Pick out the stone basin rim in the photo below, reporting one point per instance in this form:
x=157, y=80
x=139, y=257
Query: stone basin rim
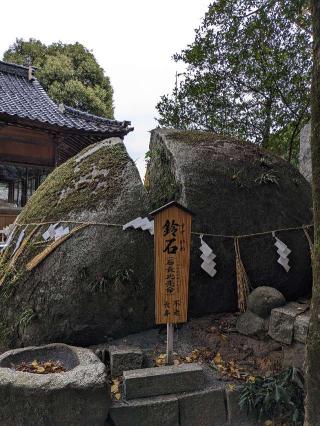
x=87, y=361
x=55, y=351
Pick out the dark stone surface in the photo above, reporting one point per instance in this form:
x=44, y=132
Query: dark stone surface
x=78, y=397
x=205, y=408
x=123, y=358
x=97, y=284
x=163, y=380
x=251, y=324
x=263, y=299
x=228, y=185
x=160, y=411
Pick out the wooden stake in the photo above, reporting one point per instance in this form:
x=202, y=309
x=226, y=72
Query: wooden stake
x=169, y=344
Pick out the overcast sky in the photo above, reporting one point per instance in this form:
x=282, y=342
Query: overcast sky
x=133, y=40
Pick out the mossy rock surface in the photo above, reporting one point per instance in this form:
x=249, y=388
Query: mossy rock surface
x=97, y=284
x=234, y=188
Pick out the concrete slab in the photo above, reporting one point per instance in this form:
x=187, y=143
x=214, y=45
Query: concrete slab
x=159, y=411
x=205, y=408
x=237, y=417
x=163, y=380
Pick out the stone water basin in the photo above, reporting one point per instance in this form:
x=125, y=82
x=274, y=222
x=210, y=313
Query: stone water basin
x=78, y=396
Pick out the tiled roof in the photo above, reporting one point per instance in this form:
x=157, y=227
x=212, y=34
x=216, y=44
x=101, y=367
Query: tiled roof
x=24, y=97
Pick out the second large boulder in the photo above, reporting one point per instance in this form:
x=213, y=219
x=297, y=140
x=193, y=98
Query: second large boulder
x=234, y=188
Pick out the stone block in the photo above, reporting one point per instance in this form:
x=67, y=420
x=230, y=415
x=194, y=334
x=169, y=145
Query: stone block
x=205, y=408
x=282, y=321
x=163, y=380
x=159, y=411
x=236, y=416
x=123, y=358
x=301, y=327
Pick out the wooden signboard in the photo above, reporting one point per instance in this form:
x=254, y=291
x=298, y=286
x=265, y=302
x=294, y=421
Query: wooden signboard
x=172, y=235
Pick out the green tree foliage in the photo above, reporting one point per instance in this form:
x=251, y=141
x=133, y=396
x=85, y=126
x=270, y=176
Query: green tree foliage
x=248, y=73
x=68, y=72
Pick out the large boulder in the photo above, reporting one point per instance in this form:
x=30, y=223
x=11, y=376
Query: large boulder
x=234, y=188
x=98, y=283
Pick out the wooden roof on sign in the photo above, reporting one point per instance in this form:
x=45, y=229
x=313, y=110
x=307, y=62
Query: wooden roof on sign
x=171, y=204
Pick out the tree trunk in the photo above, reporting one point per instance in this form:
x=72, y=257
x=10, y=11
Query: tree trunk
x=267, y=123
x=312, y=403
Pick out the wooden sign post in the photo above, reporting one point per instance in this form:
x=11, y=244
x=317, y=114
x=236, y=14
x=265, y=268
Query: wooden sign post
x=172, y=236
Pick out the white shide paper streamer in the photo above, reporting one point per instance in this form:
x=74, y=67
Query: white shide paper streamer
x=208, y=264
x=283, y=252
x=144, y=223
x=55, y=232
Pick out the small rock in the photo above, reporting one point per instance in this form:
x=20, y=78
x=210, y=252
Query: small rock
x=263, y=299
x=251, y=324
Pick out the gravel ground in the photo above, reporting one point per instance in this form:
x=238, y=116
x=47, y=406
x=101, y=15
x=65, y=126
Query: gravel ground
x=214, y=342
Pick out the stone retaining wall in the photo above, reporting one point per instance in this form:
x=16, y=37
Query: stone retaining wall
x=177, y=396
x=209, y=407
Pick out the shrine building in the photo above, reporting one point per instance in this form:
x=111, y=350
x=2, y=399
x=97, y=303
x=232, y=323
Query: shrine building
x=37, y=135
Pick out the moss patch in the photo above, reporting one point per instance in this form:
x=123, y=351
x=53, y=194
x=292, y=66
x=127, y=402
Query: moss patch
x=75, y=186
x=160, y=180
x=197, y=136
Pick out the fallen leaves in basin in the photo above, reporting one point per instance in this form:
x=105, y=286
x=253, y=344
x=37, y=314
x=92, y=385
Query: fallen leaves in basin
x=36, y=367
x=115, y=389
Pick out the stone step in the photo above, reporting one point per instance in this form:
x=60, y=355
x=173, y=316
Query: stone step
x=163, y=380
x=159, y=411
x=205, y=408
